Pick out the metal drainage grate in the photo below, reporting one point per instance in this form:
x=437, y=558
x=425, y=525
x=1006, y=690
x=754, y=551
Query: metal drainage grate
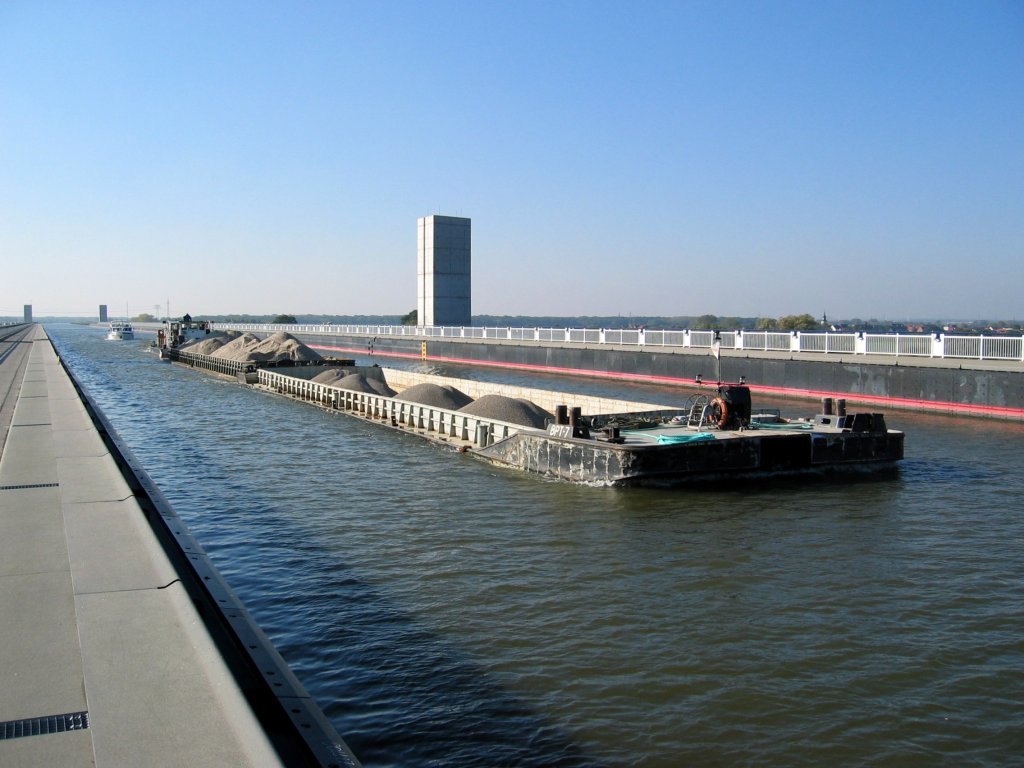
x=23, y=487
x=39, y=726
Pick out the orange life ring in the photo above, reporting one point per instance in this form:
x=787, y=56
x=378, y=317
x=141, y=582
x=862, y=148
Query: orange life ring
x=720, y=408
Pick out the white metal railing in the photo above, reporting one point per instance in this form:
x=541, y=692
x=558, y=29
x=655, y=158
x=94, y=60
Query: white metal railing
x=768, y=341
x=795, y=342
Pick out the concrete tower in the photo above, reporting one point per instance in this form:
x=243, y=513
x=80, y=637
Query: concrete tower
x=28, y=313
x=103, y=313
x=443, y=290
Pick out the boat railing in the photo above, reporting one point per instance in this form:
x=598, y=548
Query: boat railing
x=796, y=343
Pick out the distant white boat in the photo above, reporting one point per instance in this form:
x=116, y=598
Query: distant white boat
x=121, y=332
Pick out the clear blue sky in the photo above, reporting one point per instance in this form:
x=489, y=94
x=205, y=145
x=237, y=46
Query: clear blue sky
x=865, y=159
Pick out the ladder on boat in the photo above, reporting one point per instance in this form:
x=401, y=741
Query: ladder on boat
x=700, y=407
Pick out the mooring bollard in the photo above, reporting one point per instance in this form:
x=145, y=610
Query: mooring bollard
x=483, y=435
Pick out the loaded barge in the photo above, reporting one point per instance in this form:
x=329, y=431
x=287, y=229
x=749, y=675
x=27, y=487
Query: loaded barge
x=713, y=439
x=716, y=435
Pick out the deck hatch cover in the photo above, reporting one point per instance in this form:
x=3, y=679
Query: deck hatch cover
x=39, y=726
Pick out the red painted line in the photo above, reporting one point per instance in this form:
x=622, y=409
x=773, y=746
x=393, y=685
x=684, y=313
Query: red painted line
x=939, y=406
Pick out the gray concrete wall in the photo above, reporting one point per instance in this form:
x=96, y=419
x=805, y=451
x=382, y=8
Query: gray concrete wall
x=936, y=385
x=443, y=270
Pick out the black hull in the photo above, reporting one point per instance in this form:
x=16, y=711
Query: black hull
x=749, y=455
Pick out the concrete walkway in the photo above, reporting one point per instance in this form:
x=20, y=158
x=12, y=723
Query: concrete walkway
x=103, y=657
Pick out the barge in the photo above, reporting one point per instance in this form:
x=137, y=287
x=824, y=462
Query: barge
x=703, y=444
x=715, y=436
x=690, y=449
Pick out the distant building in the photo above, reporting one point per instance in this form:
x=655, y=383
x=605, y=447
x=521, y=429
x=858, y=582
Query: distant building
x=443, y=255
x=103, y=313
x=28, y=313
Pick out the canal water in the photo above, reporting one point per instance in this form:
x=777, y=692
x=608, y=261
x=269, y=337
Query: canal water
x=446, y=612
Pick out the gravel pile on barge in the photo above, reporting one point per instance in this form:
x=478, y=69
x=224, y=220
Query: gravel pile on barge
x=280, y=347
x=498, y=407
x=277, y=348
x=331, y=377
x=237, y=348
x=435, y=396
x=513, y=410
x=209, y=344
x=343, y=378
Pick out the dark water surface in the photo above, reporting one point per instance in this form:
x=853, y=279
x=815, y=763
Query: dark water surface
x=446, y=612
